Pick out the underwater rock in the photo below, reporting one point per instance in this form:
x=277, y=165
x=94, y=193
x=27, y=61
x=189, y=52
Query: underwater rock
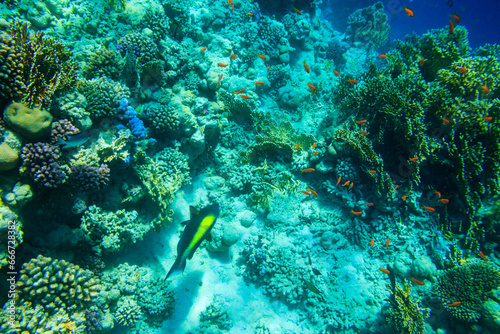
x=423, y=267
x=8, y=157
x=247, y=218
x=289, y=98
x=21, y=193
x=33, y=123
x=230, y=236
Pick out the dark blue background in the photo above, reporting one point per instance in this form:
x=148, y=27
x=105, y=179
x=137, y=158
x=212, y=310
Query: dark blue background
x=480, y=17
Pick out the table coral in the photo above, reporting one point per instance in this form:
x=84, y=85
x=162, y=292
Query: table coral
x=469, y=284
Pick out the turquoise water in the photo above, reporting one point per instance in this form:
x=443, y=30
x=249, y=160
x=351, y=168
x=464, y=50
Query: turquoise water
x=249, y=167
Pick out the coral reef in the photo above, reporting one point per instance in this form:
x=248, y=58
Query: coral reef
x=90, y=178
x=128, y=312
x=469, y=284
x=368, y=27
x=40, y=162
x=406, y=315
x=103, y=96
x=103, y=63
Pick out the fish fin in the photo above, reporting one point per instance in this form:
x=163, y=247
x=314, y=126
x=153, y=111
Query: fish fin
x=192, y=211
x=61, y=143
x=177, y=267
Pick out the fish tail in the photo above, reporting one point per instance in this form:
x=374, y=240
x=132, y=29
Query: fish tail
x=177, y=267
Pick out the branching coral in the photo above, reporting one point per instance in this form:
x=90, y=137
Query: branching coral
x=406, y=315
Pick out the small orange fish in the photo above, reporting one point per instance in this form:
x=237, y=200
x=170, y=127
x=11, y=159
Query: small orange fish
x=312, y=88
x=371, y=171
x=416, y=281
x=445, y=200
x=259, y=83
x=351, y=185
x=451, y=27
x=297, y=146
x=230, y=2
x=445, y=121
x=438, y=194
x=385, y=271
x=408, y=11
x=218, y=82
x=368, y=204
x=307, y=170
x=387, y=243
x=428, y=208
x=421, y=61
x=233, y=56
x=357, y=213
x=203, y=49
x=345, y=184
x=315, y=153
x=338, y=181
x=306, y=28
x=240, y=91
x=404, y=198
x=483, y=256
x=268, y=67
x=488, y=119
x=456, y=17
x=336, y=73
x=306, y=68
x=352, y=81
x=314, y=146
x=363, y=132
x=455, y=304
x=304, y=192
x=312, y=192
x=246, y=97
x=372, y=243
x=484, y=89
x=414, y=159
x=222, y=65
x=382, y=56
x=250, y=14
x=261, y=56
x=462, y=70
x=297, y=11
x=396, y=187
x=363, y=121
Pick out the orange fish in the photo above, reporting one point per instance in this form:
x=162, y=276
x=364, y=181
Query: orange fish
x=462, y=70
x=416, y=281
x=312, y=88
x=455, y=304
x=408, y=11
x=268, y=67
x=351, y=185
x=483, y=256
x=246, y=97
x=307, y=28
x=315, y=153
x=387, y=243
x=438, y=194
x=357, y=213
x=262, y=57
x=368, y=204
x=456, y=17
x=428, y=208
x=445, y=121
x=259, y=83
x=233, y=56
x=404, y=198
x=218, y=82
x=250, y=14
x=396, y=187
x=382, y=56
x=363, y=132
x=484, y=89
x=230, y=2
x=372, y=243
x=297, y=146
x=312, y=192
x=307, y=170
x=338, y=181
x=203, y=49
x=421, y=61
x=352, y=81
x=306, y=68
x=488, y=118
x=345, y=184
x=240, y=91
x=371, y=171
x=296, y=10
x=336, y=73
x=414, y=159
x=445, y=200
x=222, y=65
x=364, y=121
x=385, y=271
x=451, y=27
x=314, y=146
x=304, y=192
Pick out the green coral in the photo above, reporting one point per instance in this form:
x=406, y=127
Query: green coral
x=128, y=312
x=103, y=96
x=406, y=314
x=103, y=63
x=164, y=119
x=469, y=284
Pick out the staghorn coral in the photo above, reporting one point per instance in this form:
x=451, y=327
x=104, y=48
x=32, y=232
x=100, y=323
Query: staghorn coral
x=469, y=283
x=368, y=26
x=56, y=283
x=103, y=96
x=103, y=63
x=406, y=315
